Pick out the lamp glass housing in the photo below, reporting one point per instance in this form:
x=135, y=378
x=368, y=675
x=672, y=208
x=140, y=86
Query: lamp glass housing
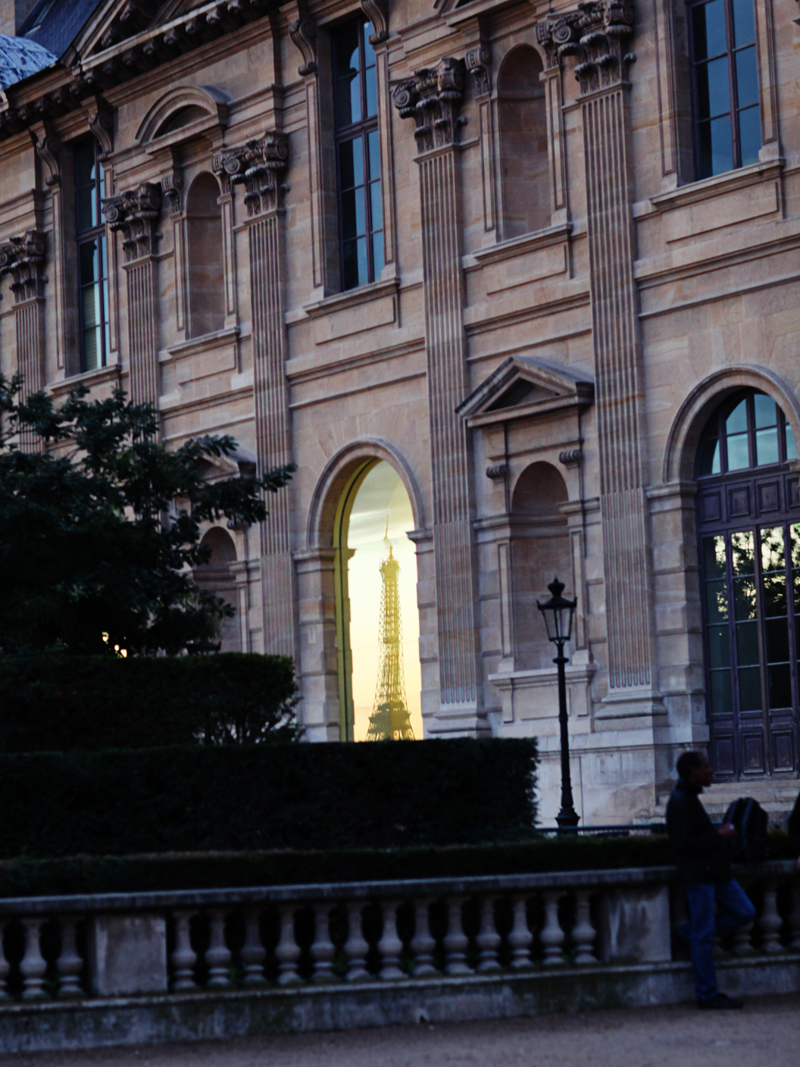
x=558, y=613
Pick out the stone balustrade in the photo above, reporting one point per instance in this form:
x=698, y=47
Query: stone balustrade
x=371, y=934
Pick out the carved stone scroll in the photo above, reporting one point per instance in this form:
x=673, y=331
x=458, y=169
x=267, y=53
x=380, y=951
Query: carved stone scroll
x=135, y=215
x=303, y=32
x=377, y=12
x=23, y=259
x=432, y=98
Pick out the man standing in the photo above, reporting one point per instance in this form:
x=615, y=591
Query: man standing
x=705, y=870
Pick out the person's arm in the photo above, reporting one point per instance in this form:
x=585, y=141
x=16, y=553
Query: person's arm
x=692, y=843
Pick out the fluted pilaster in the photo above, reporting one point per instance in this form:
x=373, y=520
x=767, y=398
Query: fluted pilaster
x=23, y=259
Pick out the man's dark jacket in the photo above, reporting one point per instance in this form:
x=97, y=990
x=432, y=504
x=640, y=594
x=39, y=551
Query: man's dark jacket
x=700, y=853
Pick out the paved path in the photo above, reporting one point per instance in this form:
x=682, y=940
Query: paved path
x=765, y=1034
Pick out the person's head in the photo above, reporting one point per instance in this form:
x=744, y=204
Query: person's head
x=694, y=768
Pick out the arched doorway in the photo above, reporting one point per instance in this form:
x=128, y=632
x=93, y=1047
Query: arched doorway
x=748, y=517
x=217, y=577
x=376, y=608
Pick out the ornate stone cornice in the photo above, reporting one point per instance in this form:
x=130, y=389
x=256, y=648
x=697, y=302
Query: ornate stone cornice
x=597, y=35
x=23, y=258
x=135, y=214
x=433, y=99
x=258, y=165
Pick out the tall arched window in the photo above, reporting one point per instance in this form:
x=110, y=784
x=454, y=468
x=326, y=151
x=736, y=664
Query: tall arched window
x=525, y=181
x=748, y=511
x=206, y=281
x=539, y=551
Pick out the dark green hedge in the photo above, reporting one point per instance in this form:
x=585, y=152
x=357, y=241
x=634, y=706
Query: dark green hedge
x=130, y=874
x=56, y=702
x=264, y=797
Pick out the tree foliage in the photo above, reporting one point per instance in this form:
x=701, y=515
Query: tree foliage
x=100, y=525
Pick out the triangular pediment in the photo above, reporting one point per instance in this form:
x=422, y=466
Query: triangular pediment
x=525, y=386
x=120, y=20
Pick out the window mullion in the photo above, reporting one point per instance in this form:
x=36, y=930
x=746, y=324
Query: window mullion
x=732, y=83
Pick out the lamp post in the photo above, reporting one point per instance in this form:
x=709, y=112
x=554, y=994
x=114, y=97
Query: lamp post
x=558, y=615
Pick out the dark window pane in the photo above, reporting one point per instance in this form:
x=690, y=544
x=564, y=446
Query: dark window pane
x=84, y=209
x=750, y=689
x=89, y=265
x=349, y=227
x=371, y=91
x=767, y=446
x=746, y=78
x=738, y=452
x=791, y=447
x=772, y=549
x=351, y=163
x=747, y=643
x=744, y=598
x=716, y=146
x=714, y=557
x=716, y=601
x=363, y=262
x=375, y=206
x=90, y=306
x=779, y=680
x=719, y=647
x=742, y=552
x=749, y=135
x=377, y=253
x=777, y=640
x=84, y=165
x=721, y=703
x=766, y=411
x=708, y=24
x=91, y=349
x=350, y=265
x=709, y=459
x=713, y=87
x=348, y=88
x=736, y=422
x=774, y=595
x=744, y=27
x=374, y=149
x=369, y=53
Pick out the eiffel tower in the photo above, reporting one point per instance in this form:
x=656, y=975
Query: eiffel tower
x=390, y=720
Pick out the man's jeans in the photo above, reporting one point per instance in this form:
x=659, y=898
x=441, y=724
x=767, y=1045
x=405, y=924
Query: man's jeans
x=734, y=909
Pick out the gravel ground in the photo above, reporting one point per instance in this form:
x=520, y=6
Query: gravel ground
x=765, y=1034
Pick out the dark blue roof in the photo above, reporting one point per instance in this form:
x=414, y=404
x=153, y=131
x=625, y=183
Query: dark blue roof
x=20, y=58
x=56, y=23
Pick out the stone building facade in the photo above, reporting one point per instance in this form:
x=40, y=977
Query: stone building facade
x=539, y=259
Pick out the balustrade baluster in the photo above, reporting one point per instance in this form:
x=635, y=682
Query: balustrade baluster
x=552, y=936
x=769, y=921
x=520, y=938
x=4, y=966
x=423, y=944
x=743, y=941
x=218, y=955
x=322, y=947
x=488, y=939
x=183, y=956
x=287, y=951
x=253, y=952
x=70, y=963
x=33, y=965
x=390, y=946
x=356, y=946
x=583, y=933
x=456, y=941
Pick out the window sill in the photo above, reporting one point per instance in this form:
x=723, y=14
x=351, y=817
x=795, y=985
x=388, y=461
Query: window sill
x=710, y=188
x=517, y=246
x=89, y=378
x=351, y=298
x=195, y=345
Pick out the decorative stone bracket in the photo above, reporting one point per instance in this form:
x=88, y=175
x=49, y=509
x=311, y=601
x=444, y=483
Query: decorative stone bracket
x=23, y=258
x=377, y=11
x=597, y=35
x=257, y=165
x=433, y=99
x=135, y=213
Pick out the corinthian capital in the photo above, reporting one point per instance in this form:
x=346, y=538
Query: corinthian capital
x=433, y=99
x=258, y=165
x=135, y=214
x=597, y=35
x=23, y=258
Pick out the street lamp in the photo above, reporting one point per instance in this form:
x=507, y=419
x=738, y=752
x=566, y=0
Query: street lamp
x=558, y=614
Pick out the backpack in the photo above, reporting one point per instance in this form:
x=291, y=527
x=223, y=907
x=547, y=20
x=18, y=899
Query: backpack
x=750, y=844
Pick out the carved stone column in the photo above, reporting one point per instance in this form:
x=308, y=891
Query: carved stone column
x=597, y=36
x=433, y=99
x=135, y=214
x=259, y=166
x=23, y=259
